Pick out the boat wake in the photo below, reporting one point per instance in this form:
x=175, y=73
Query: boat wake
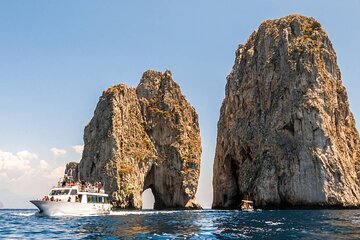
x=61, y=214
x=23, y=214
x=112, y=213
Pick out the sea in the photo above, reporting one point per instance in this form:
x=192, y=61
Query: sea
x=199, y=224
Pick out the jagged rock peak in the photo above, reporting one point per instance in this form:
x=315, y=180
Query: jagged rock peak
x=115, y=88
x=144, y=137
x=154, y=81
x=286, y=135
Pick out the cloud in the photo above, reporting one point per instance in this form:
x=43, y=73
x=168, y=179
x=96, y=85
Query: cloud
x=78, y=148
x=15, y=165
x=19, y=161
x=58, y=152
x=27, y=155
x=57, y=172
x=44, y=164
x=23, y=175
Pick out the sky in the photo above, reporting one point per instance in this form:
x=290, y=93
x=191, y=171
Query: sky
x=56, y=58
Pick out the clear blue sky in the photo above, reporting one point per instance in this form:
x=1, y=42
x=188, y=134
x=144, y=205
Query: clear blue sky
x=56, y=58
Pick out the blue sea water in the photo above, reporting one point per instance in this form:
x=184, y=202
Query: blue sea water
x=204, y=224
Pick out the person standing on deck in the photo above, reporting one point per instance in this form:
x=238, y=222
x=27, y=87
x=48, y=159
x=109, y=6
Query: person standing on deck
x=99, y=186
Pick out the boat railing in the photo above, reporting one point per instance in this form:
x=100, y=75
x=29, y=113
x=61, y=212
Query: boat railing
x=82, y=185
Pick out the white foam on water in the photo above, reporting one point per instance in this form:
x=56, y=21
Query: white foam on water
x=355, y=220
x=124, y=213
x=113, y=213
x=23, y=214
x=60, y=214
x=273, y=223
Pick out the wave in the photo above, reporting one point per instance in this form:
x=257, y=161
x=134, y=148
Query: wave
x=114, y=213
x=355, y=219
x=122, y=213
x=17, y=213
x=22, y=214
x=60, y=214
x=273, y=223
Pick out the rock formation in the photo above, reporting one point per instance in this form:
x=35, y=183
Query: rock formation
x=143, y=138
x=286, y=136
x=71, y=170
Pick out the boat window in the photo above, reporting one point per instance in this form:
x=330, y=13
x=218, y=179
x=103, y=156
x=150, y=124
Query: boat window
x=55, y=192
x=64, y=192
x=101, y=199
x=91, y=199
x=59, y=192
x=73, y=192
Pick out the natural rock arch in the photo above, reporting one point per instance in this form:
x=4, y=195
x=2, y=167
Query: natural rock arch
x=143, y=138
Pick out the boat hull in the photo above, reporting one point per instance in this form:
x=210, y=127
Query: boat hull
x=50, y=208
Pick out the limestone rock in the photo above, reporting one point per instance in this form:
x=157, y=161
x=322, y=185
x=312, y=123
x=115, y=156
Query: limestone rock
x=286, y=136
x=71, y=170
x=143, y=138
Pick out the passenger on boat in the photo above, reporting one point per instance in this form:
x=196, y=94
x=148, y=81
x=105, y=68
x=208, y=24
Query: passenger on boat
x=99, y=186
x=89, y=188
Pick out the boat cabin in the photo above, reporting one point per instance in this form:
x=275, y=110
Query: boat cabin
x=73, y=194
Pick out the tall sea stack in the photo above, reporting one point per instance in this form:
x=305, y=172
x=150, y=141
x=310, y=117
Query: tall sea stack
x=286, y=136
x=144, y=137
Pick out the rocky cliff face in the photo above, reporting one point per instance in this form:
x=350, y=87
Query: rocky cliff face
x=143, y=138
x=286, y=136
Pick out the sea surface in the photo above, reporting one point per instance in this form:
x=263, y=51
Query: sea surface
x=204, y=224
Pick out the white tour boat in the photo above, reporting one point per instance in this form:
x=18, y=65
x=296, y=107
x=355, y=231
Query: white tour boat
x=74, y=199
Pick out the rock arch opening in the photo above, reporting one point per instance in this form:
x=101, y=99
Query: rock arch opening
x=150, y=187
x=234, y=196
x=148, y=199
